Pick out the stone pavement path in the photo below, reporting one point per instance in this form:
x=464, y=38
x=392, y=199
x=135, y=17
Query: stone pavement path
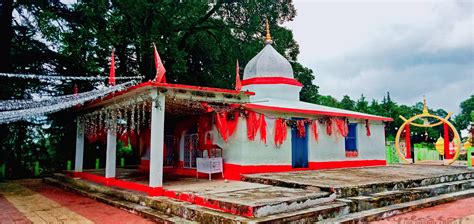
x=457, y=212
x=31, y=201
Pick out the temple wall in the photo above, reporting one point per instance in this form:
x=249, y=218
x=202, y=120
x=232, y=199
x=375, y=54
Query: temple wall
x=332, y=148
x=240, y=151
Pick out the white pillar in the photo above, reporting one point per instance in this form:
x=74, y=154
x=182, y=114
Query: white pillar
x=157, y=133
x=79, y=146
x=111, y=150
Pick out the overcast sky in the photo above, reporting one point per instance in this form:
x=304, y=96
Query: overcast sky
x=408, y=48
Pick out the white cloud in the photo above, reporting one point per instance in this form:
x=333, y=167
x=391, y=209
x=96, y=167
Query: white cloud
x=410, y=49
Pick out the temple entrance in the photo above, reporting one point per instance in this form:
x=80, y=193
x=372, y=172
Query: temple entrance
x=299, y=146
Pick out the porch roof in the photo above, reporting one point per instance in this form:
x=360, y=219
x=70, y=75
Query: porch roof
x=142, y=87
x=298, y=107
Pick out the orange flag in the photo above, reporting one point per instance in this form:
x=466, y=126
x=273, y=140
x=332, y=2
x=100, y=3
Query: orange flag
x=160, y=69
x=238, y=83
x=112, y=70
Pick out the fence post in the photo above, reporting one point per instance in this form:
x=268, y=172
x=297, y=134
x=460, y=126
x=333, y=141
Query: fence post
x=469, y=157
x=97, y=163
x=68, y=166
x=37, y=168
x=122, y=162
x=2, y=170
x=387, y=150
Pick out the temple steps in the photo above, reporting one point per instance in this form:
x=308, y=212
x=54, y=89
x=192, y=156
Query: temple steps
x=396, y=209
x=387, y=198
x=363, y=205
x=164, y=209
x=364, y=189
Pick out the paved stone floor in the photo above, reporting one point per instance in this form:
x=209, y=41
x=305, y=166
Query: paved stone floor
x=457, y=212
x=361, y=176
x=31, y=201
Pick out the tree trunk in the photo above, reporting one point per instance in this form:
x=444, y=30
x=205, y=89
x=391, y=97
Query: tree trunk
x=6, y=9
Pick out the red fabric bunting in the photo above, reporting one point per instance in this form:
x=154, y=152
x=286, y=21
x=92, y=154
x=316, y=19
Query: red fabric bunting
x=314, y=126
x=263, y=129
x=280, y=132
x=367, y=127
x=232, y=123
x=342, y=127
x=252, y=125
x=221, y=122
x=329, y=127
x=301, y=129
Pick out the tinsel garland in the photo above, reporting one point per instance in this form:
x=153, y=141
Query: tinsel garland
x=54, y=106
x=11, y=105
x=55, y=77
x=129, y=115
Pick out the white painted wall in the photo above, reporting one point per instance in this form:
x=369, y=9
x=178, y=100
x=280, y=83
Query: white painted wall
x=239, y=150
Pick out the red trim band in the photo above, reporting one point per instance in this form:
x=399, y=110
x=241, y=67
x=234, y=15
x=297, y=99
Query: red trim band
x=233, y=171
x=316, y=112
x=271, y=80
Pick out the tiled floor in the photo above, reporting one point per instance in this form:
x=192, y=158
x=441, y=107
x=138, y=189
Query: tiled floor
x=30, y=201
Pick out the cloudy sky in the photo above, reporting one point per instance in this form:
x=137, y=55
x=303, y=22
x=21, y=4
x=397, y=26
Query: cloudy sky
x=408, y=48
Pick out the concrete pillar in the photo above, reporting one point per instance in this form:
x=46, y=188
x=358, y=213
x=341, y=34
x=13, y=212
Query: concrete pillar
x=110, y=162
x=157, y=140
x=79, y=146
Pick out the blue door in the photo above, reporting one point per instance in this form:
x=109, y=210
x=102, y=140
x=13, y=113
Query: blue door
x=351, y=139
x=299, y=148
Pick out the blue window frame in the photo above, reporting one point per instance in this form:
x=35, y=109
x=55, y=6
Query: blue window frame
x=351, y=139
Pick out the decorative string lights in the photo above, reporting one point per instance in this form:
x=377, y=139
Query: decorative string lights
x=24, y=109
x=55, y=77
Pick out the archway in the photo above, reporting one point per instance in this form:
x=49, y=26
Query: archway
x=426, y=114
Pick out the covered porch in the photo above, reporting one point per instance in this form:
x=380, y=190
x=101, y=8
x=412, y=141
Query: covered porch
x=168, y=127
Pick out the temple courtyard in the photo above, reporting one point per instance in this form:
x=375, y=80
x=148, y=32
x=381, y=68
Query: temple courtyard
x=386, y=194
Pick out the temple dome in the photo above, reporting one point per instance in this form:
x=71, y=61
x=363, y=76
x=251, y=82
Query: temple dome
x=268, y=63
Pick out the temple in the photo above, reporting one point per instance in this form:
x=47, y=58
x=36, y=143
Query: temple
x=179, y=130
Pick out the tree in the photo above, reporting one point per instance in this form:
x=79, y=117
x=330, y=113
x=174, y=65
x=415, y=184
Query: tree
x=198, y=41
x=347, y=103
x=362, y=105
x=463, y=120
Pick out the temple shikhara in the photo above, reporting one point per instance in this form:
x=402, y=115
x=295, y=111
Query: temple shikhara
x=211, y=133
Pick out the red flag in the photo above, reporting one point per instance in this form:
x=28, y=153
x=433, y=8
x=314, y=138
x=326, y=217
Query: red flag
x=76, y=89
x=238, y=83
x=112, y=70
x=160, y=69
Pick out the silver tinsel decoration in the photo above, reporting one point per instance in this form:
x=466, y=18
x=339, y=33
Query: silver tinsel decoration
x=53, y=105
x=54, y=77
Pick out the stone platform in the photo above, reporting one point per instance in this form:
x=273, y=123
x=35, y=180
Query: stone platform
x=363, y=194
x=349, y=182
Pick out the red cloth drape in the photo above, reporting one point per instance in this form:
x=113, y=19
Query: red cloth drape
x=342, y=127
x=252, y=125
x=221, y=123
x=280, y=132
x=232, y=123
x=301, y=129
x=314, y=126
x=367, y=127
x=329, y=127
x=263, y=129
